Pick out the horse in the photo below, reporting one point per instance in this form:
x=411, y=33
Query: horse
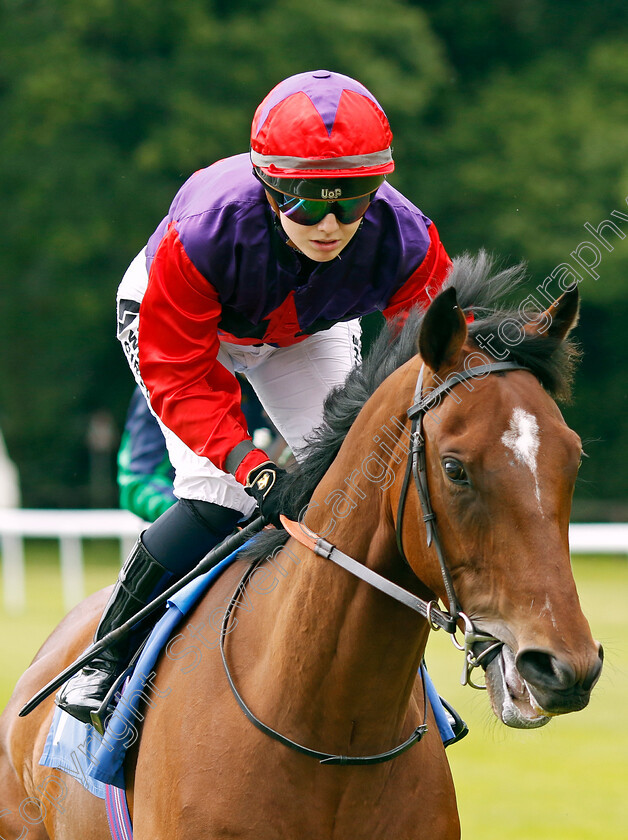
x=463, y=506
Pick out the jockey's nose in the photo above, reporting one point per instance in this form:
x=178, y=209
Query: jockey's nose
x=328, y=224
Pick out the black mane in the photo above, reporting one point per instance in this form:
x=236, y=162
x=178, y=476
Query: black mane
x=478, y=290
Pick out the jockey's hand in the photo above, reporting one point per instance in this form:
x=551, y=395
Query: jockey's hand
x=264, y=484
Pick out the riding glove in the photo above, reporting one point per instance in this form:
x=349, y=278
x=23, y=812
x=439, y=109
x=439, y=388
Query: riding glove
x=264, y=484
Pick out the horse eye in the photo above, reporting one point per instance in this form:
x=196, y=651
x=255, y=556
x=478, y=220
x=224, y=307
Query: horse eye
x=455, y=471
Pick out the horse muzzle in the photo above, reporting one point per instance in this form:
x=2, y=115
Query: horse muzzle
x=528, y=689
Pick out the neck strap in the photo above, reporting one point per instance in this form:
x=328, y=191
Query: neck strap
x=323, y=757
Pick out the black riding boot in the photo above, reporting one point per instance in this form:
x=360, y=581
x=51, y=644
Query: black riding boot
x=180, y=538
x=142, y=578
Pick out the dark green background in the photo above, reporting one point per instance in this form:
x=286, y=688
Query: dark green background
x=511, y=132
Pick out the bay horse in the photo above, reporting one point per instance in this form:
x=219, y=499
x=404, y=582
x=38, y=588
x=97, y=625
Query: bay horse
x=322, y=657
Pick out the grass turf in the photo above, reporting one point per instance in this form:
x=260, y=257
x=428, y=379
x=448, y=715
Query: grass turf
x=565, y=781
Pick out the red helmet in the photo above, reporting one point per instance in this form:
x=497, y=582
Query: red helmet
x=321, y=125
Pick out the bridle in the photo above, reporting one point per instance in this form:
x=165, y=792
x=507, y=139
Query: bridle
x=436, y=617
x=417, y=468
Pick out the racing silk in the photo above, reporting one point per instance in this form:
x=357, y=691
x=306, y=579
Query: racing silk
x=220, y=269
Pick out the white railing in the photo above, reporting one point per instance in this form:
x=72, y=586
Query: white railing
x=602, y=538
x=70, y=527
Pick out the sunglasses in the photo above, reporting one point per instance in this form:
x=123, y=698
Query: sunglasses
x=309, y=211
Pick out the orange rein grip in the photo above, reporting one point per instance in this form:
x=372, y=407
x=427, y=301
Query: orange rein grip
x=300, y=532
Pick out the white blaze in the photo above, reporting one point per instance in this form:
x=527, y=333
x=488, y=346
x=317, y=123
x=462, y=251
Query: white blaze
x=522, y=438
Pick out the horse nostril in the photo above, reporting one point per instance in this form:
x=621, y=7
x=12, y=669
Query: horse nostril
x=593, y=674
x=540, y=668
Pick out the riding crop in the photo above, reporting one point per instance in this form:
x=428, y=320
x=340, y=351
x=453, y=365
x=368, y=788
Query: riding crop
x=217, y=554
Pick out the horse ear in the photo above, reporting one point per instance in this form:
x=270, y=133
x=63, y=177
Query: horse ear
x=559, y=318
x=443, y=331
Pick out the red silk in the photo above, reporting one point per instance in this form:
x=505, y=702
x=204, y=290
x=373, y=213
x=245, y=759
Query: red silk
x=195, y=396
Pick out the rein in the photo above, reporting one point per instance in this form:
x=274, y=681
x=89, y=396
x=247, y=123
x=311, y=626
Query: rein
x=437, y=619
x=428, y=609
x=323, y=757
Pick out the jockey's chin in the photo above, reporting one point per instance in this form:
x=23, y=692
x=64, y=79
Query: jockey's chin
x=322, y=242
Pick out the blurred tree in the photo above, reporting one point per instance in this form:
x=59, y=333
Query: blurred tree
x=510, y=126
x=520, y=166
x=599, y=411
x=533, y=156
x=107, y=107
x=482, y=37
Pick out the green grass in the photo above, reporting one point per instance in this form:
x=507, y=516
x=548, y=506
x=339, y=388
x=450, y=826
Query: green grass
x=565, y=781
x=22, y=635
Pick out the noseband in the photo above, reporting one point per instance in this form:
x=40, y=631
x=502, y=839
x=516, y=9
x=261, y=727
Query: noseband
x=438, y=619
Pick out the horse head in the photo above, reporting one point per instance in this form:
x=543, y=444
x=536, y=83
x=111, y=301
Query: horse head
x=501, y=465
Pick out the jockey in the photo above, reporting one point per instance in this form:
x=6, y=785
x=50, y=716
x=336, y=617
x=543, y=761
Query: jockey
x=263, y=266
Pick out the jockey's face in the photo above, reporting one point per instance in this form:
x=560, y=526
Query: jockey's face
x=323, y=241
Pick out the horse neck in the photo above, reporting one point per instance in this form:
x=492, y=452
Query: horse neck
x=340, y=644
